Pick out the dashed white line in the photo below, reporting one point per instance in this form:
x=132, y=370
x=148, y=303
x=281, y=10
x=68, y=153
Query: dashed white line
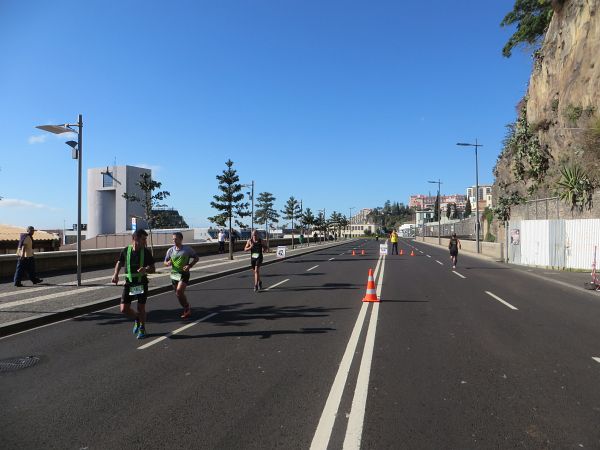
x=313, y=267
x=500, y=300
x=429, y=256
x=439, y=262
x=458, y=274
x=178, y=330
x=277, y=284
x=595, y=358
x=331, y=259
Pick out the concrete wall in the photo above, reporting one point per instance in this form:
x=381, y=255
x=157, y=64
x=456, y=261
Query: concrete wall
x=492, y=249
x=105, y=258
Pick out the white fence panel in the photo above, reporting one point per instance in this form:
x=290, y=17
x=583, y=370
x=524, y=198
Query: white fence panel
x=581, y=236
x=535, y=242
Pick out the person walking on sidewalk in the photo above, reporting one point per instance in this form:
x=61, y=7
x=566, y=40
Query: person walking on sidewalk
x=453, y=246
x=138, y=262
x=256, y=246
x=221, y=239
x=25, y=261
x=181, y=258
x=394, y=240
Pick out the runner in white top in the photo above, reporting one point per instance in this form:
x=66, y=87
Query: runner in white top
x=181, y=258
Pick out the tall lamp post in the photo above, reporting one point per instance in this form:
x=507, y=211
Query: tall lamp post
x=324, y=225
x=477, y=226
x=439, y=208
x=77, y=154
x=351, y=208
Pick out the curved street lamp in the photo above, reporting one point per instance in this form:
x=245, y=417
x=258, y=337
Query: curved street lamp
x=477, y=226
x=76, y=154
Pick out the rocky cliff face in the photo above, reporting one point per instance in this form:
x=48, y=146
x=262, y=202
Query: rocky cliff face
x=560, y=112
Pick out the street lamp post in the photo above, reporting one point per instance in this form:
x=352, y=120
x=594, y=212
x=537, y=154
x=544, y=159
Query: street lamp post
x=252, y=200
x=77, y=154
x=324, y=226
x=351, y=208
x=477, y=226
x=439, y=209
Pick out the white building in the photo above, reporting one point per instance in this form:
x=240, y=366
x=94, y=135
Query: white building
x=108, y=211
x=484, y=197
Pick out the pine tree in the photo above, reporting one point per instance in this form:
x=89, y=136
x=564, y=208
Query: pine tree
x=150, y=201
x=291, y=211
x=229, y=201
x=468, y=208
x=308, y=220
x=265, y=214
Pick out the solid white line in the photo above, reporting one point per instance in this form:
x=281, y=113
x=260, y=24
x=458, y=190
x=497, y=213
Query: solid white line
x=50, y=296
x=439, y=262
x=313, y=267
x=500, y=300
x=458, y=274
x=331, y=259
x=178, y=330
x=596, y=359
x=323, y=433
x=277, y=284
x=359, y=402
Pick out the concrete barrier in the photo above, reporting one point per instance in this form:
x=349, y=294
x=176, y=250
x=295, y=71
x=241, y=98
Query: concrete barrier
x=492, y=249
x=66, y=261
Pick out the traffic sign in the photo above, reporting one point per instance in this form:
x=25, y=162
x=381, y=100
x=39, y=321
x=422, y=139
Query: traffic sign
x=281, y=252
x=383, y=249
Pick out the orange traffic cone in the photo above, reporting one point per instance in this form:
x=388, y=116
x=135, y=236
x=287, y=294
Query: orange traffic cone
x=412, y=253
x=401, y=252
x=371, y=295
x=353, y=252
x=362, y=252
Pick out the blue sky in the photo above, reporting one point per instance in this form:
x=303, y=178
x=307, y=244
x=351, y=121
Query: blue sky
x=338, y=103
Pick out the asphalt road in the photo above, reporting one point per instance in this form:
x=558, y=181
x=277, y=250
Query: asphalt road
x=481, y=357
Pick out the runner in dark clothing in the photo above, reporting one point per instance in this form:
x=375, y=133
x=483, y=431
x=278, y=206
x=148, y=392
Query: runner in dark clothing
x=453, y=246
x=256, y=246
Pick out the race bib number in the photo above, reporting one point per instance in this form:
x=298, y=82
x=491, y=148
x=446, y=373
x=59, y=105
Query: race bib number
x=383, y=249
x=136, y=290
x=255, y=255
x=281, y=252
x=175, y=276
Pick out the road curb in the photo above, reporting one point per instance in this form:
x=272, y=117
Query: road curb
x=29, y=323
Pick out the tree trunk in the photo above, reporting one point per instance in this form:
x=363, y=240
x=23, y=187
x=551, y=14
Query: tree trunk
x=230, y=240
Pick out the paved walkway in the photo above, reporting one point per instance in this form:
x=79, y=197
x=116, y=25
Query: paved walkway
x=59, y=297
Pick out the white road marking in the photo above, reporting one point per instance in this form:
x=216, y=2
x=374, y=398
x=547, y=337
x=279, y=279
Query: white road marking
x=330, y=411
x=331, y=259
x=359, y=402
x=458, y=274
x=277, y=284
x=595, y=358
x=178, y=330
x=50, y=296
x=500, y=300
x=429, y=256
x=313, y=267
x=323, y=433
x=439, y=262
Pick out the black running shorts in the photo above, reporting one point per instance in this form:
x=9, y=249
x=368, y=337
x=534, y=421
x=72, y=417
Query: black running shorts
x=141, y=298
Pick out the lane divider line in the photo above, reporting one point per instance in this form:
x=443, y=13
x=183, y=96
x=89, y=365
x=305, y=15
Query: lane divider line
x=458, y=274
x=331, y=259
x=429, y=256
x=500, y=300
x=313, y=267
x=439, y=262
x=323, y=433
x=595, y=358
x=178, y=330
x=277, y=284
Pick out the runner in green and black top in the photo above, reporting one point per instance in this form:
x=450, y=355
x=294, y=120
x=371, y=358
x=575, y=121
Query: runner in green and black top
x=181, y=258
x=256, y=246
x=138, y=262
x=453, y=246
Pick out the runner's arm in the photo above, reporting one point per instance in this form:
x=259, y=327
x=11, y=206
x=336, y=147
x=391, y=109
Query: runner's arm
x=115, y=278
x=191, y=264
x=248, y=245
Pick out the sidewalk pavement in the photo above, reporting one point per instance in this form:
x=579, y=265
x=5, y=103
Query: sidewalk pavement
x=566, y=278
x=58, y=297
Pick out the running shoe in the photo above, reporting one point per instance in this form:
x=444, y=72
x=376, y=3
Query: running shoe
x=141, y=332
x=136, y=327
x=187, y=312
x=256, y=288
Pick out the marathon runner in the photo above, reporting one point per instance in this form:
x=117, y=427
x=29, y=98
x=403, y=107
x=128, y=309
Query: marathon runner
x=138, y=262
x=256, y=246
x=181, y=258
